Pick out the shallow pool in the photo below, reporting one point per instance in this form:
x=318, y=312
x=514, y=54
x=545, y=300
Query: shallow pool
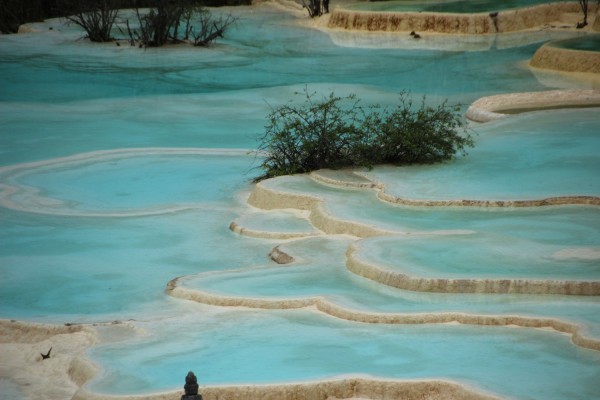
x=121, y=169
x=585, y=43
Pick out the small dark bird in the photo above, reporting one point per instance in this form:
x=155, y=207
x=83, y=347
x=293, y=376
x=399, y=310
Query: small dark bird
x=417, y=36
x=47, y=355
x=412, y=33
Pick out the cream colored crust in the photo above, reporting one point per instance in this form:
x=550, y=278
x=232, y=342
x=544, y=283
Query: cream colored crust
x=487, y=108
x=454, y=23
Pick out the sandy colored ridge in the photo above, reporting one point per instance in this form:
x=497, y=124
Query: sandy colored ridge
x=58, y=377
x=324, y=176
x=490, y=108
x=267, y=197
x=177, y=289
x=521, y=19
x=380, y=274
x=569, y=60
x=19, y=197
x=241, y=230
x=348, y=387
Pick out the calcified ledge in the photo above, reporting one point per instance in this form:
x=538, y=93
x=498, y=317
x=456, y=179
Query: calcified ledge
x=175, y=289
x=399, y=280
x=383, y=195
x=341, y=388
x=269, y=198
x=454, y=23
x=56, y=378
x=490, y=108
x=240, y=230
x=566, y=60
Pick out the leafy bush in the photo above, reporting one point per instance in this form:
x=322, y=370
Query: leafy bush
x=338, y=132
x=422, y=135
x=13, y=13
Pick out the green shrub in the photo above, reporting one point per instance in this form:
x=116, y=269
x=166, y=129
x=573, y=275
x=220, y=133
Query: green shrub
x=423, y=135
x=338, y=132
x=13, y=13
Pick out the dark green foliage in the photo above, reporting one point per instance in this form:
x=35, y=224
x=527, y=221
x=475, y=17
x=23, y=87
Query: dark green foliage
x=338, y=132
x=14, y=13
x=422, y=135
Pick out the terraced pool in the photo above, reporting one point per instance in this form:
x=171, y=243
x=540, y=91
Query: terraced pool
x=127, y=206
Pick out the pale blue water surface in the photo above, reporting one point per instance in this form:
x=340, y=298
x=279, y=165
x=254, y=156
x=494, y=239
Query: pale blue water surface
x=96, y=235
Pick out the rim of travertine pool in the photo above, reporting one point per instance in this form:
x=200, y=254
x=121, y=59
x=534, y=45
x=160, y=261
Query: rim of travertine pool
x=490, y=108
x=176, y=288
x=519, y=19
x=555, y=58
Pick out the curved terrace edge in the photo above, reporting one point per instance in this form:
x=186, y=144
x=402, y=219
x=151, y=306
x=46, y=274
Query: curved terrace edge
x=403, y=281
x=175, y=289
x=453, y=23
x=490, y=108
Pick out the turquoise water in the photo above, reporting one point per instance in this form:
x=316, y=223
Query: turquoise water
x=535, y=159
x=79, y=269
x=320, y=270
x=568, y=225
x=480, y=256
x=447, y=6
x=280, y=348
x=585, y=43
x=94, y=237
x=137, y=182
